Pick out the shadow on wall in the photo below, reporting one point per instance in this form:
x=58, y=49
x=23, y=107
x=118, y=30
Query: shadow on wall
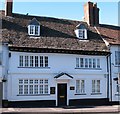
x=1, y=94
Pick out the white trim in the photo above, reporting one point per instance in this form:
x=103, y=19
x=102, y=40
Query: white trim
x=34, y=30
x=60, y=82
x=77, y=32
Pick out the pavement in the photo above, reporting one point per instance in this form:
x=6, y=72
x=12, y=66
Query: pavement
x=114, y=109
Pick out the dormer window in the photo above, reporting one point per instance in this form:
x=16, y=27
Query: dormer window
x=34, y=28
x=82, y=34
x=81, y=31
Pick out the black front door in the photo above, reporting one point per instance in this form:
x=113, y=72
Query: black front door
x=62, y=94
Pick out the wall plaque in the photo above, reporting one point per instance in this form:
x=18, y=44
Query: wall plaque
x=52, y=90
x=72, y=88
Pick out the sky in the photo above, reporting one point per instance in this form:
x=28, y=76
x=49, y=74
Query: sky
x=67, y=10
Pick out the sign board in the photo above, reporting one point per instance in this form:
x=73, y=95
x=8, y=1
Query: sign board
x=72, y=88
x=52, y=90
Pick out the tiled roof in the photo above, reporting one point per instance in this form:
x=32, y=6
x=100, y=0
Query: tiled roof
x=55, y=34
x=110, y=33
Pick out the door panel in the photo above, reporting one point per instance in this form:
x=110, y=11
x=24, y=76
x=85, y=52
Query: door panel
x=62, y=94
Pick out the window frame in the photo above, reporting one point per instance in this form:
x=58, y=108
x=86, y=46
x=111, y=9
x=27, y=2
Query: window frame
x=96, y=88
x=33, y=61
x=80, y=87
x=88, y=63
x=117, y=58
x=82, y=33
x=34, y=30
x=24, y=88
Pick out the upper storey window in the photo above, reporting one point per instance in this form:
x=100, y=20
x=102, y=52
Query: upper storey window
x=117, y=58
x=0, y=58
x=34, y=28
x=81, y=31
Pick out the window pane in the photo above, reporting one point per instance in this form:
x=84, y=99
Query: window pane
x=77, y=62
x=41, y=81
x=77, y=86
x=81, y=33
x=41, y=61
x=31, y=81
x=117, y=57
x=36, y=89
x=90, y=63
x=20, y=81
x=98, y=63
x=20, y=89
x=82, y=86
x=81, y=62
x=36, y=61
x=46, y=61
x=31, y=89
x=117, y=88
x=0, y=58
x=25, y=81
x=36, y=30
x=41, y=89
x=36, y=81
x=98, y=86
x=25, y=89
x=26, y=61
x=46, y=81
x=21, y=61
x=93, y=86
x=46, y=89
x=86, y=63
x=31, y=61
x=94, y=63
x=31, y=29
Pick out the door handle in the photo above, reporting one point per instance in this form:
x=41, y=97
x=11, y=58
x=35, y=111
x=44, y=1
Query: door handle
x=62, y=96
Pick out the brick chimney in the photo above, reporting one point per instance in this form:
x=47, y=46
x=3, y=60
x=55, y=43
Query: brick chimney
x=8, y=7
x=91, y=14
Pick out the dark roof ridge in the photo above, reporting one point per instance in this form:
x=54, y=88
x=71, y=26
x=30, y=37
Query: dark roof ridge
x=115, y=27
x=37, y=17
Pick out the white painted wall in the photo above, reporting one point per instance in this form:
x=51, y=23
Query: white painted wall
x=115, y=71
x=58, y=63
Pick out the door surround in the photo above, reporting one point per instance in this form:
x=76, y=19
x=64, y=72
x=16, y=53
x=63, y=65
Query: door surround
x=62, y=82
x=62, y=94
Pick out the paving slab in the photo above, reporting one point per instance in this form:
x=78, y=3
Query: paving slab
x=115, y=109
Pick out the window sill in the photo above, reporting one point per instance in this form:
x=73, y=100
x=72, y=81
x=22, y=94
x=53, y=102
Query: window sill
x=81, y=94
x=116, y=65
x=96, y=93
x=36, y=67
x=90, y=68
x=117, y=94
x=35, y=95
x=83, y=39
x=34, y=35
